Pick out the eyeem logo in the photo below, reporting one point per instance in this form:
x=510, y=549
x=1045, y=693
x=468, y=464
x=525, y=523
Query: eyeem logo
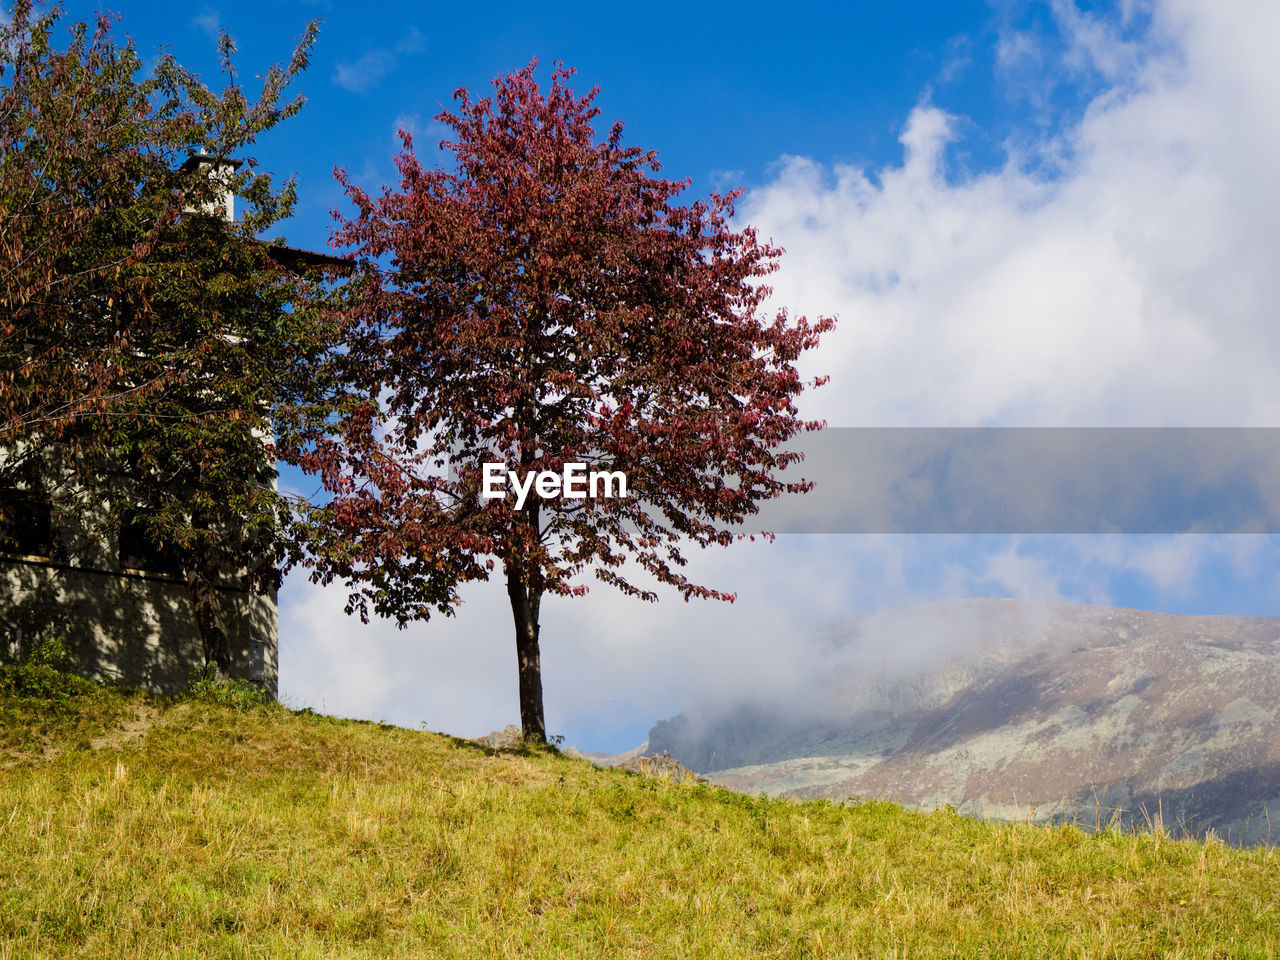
x=573, y=484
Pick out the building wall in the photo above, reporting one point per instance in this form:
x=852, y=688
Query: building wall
x=129, y=627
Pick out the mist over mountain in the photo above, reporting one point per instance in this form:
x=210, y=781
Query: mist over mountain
x=1010, y=709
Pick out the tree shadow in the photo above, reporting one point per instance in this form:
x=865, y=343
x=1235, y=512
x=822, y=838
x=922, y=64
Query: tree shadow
x=126, y=627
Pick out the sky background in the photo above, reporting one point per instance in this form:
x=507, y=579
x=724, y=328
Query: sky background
x=1024, y=214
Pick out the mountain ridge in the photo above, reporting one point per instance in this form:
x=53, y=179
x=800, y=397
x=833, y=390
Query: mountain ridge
x=1046, y=712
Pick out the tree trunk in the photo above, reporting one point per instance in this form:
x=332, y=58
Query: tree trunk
x=524, y=611
x=213, y=629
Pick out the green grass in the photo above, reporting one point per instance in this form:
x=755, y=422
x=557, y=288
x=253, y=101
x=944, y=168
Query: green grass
x=237, y=829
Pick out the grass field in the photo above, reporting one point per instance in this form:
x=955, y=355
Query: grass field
x=141, y=829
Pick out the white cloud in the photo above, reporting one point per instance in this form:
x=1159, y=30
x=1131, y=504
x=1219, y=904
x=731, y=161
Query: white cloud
x=1018, y=574
x=959, y=59
x=209, y=21
x=363, y=73
x=1135, y=288
x=1171, y=565
x=1095, y=44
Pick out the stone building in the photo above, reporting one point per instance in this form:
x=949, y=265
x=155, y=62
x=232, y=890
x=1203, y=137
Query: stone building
x=119, y=607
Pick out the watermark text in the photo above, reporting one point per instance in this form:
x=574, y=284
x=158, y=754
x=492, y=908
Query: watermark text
x=574, y=483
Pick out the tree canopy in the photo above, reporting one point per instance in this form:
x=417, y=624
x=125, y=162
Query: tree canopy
x=545, y=300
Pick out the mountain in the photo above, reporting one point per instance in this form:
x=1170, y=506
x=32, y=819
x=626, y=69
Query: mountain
x=1008, y=710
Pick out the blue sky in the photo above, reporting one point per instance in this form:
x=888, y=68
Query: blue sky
x=1025, y=213
x=720, y=91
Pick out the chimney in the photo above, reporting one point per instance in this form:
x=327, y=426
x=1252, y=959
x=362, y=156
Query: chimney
x=219, y=170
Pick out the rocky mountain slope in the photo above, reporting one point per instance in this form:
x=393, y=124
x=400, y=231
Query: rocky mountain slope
x=1011, y=711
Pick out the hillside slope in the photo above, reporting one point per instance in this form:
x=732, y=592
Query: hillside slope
x=140, y=829
x=1066, y=712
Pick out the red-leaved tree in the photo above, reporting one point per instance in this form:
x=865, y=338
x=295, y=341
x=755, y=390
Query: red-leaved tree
x=546, y=301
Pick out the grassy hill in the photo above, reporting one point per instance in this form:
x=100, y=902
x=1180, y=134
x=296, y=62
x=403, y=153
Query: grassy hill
x=199, y=828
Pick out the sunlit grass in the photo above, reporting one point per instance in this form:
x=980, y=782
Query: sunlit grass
x=257, y=832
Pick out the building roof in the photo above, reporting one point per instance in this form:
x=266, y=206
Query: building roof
x=196, y=159
x=296, y=258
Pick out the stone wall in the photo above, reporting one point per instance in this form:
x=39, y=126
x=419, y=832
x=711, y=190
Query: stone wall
x=128, y=627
